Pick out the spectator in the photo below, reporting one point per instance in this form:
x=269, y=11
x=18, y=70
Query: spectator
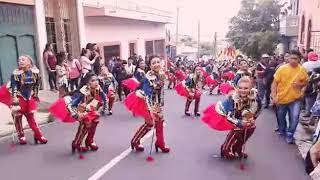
x=50, y=61
x=310, y=93
x=62, y=70
x=268, y=78
x=75, y=72
x=111, y=63
x=260, y=72
x=289, y=80
x=120, y=74
x=129, y=67
x=312, y=62
x=85, y=61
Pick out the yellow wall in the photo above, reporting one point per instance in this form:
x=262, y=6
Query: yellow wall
x=27, y=2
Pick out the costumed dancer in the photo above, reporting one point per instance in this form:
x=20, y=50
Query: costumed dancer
x=226, y=86
x=108, y=84
x=147, y=102
x=85, y=106
x=172, y=78
x=191, y=89
x=138, y=76
x=212, y=81
x=238, y=114
x=24, y=87
x=243, y=71
x=180, y=74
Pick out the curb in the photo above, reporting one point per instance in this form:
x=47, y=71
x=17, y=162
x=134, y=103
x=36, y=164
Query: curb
x=41, y=119
x=303, y=140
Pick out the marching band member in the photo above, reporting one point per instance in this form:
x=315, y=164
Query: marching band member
x=147, y=101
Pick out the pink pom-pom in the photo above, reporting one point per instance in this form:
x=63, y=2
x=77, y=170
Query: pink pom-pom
x=150, y=158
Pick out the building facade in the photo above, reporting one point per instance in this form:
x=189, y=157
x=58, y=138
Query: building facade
x=289, y=27
x=124, y=29
x=309, y=26
x=27, y=25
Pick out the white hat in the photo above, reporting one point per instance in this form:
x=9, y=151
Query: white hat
x=265, y=56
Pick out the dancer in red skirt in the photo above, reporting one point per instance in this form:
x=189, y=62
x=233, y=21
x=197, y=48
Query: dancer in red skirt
x=238, y=114
x=85, y=106
x=24, y=85
x=147, y=102
x=212, y=81
x=108, y=84
x=172, y=78
x=191, y=89
x=226, y=86
x=138, y=76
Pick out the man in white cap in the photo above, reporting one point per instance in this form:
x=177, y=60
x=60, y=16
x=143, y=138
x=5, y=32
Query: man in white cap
x=260, y=74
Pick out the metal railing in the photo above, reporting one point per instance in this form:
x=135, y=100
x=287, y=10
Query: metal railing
x=127, y=5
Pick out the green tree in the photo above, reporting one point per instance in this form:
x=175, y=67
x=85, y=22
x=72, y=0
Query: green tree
x=255, y=30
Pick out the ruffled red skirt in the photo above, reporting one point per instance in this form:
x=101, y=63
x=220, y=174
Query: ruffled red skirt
x=211, y=82
x=5, y=96
x=229, y=75
x=59, y=110
x=111, y=93
x=131, y=83
x=226, y=88
x=204, y=73
x=27, y=105
x=215, y=120
x=172, y=77
x=137, y=105
x=182, y=91
x=181, y=75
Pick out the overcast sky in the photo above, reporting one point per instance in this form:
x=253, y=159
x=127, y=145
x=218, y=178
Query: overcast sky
x=214, y=15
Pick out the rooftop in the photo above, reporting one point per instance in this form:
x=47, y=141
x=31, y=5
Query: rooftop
x=125, y=9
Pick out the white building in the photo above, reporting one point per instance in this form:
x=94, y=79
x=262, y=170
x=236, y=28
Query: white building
x=122, y=28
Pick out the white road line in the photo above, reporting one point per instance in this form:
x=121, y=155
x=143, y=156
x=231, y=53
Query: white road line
x=116, y=160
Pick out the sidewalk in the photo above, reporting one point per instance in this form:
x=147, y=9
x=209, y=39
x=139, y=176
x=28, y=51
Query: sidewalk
x=6, y=123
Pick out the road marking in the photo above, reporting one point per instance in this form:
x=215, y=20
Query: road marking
x=116, y=160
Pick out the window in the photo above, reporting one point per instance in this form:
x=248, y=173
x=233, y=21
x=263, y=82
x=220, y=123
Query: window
x=132, y=49
x=51, y=33
x=309, y=33
x=315, y=41
x=156, y=47
x=111, y=51
x=302, y=32
x=159, y=48
x=149, y=48
x=67, y=35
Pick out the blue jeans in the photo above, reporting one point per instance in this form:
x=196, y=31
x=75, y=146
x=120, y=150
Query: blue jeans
x=293, y=109
x=261, y=89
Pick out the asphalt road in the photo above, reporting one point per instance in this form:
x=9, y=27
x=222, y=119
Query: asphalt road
x=194, y=155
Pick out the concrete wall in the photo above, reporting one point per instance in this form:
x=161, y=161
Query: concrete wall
x=112, y=31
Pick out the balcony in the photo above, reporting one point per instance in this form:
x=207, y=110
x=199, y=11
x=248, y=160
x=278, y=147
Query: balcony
x=289, y=26
x=125, y=9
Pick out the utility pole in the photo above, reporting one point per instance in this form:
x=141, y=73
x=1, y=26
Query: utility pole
x=198, y=39
x=177, y=28
x=215, y=45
